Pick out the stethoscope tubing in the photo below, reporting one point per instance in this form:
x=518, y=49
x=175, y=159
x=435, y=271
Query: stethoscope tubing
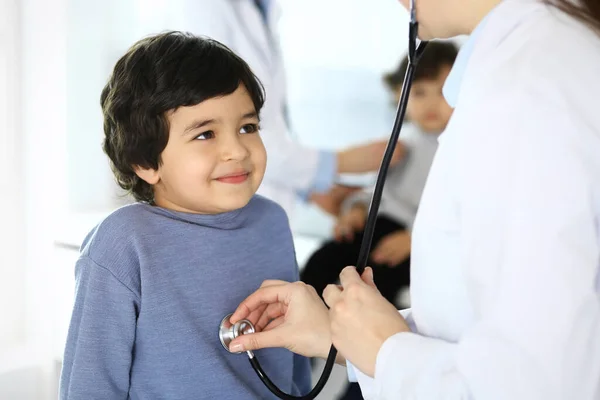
x=414, y=53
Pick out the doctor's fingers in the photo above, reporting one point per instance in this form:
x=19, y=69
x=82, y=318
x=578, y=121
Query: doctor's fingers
x=260, y=299
x=274, y=324
x=260, y=340
x=271, y=312
x=255, y=315
x=273, y=282
x=279, y=293
x=368, y=278
x=350, y=277
x=332, y=295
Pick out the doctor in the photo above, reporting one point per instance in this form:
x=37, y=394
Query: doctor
x=248, y=27
x=506, y=246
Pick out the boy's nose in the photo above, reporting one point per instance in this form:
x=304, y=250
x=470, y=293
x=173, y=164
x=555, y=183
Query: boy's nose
x=234, y=149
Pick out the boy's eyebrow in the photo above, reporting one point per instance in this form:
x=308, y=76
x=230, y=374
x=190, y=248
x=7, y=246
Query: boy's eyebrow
x=251, y=114
x=198, y=124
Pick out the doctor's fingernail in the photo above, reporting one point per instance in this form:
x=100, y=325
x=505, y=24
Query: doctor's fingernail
x=236, y=348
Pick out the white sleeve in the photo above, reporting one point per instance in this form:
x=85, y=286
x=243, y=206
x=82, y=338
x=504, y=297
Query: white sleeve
x=530, y=252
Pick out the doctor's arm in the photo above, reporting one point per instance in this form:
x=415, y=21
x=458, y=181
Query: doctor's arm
x=530, y=255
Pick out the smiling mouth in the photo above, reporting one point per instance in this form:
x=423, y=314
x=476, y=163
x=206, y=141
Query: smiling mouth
x=236, y=178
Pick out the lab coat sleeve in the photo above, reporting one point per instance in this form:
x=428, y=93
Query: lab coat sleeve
x=530, y=252
x=323, y=177
x=99, y=348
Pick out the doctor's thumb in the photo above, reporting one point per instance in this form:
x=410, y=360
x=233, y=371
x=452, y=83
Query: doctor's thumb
x=367, y=277
x=256, y=341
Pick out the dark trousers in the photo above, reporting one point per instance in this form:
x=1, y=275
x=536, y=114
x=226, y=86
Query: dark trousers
x=325, y=265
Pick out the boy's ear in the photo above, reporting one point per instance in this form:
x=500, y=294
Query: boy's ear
x=148, y=175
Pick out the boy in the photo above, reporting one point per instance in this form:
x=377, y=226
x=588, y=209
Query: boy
x=429, y=113
x=155, y=279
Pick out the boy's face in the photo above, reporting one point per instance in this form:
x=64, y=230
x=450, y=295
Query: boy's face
x=214, y=160
x=427, y=108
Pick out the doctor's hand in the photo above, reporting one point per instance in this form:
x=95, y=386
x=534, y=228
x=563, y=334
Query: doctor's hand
x=392, y=249
x=366, y=157
x=350, y=222
x=289, y=315
x=361, y=318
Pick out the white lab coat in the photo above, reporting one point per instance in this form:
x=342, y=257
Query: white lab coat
x=506, y=245
x=291, y=167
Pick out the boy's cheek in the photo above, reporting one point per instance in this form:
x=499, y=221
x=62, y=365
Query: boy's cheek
x=259, y=155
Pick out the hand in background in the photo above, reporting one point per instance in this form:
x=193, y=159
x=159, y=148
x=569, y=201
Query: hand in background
x=367, y=157
x=331, y=201
x=350, y=222
x=392, y=249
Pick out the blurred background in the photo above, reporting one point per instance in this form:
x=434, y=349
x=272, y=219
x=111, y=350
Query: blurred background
x=56, y=184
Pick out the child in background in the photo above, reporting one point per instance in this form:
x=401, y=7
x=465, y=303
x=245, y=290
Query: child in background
x=429, y=114
x=155, y=278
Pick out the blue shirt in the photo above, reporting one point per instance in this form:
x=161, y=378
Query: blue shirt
x=152, y=286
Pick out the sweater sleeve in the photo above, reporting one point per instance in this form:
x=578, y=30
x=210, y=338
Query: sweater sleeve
x=98, y=353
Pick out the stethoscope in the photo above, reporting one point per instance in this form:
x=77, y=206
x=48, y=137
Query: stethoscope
x=228, y=331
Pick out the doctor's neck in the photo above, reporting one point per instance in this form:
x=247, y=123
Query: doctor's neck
x=461, y=17
x=443, y=19
x=472, y=12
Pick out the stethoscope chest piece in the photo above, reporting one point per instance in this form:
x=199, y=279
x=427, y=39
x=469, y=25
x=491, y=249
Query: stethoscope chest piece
x=229, y=331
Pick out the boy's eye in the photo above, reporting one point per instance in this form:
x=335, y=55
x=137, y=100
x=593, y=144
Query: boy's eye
x=205, y=135
x=249, y=128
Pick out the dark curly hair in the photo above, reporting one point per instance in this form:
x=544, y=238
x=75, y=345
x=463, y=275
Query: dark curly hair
x=436, y=56
x=159, y=74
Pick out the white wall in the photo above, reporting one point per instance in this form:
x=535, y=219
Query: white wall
x=43, y=130
x=99, y=32
x=32, y=114
x=335, y=64
x=12, y=281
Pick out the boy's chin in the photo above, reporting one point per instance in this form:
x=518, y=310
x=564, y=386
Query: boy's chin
x=233, y=203
x=220, y=204
x=233, y=199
